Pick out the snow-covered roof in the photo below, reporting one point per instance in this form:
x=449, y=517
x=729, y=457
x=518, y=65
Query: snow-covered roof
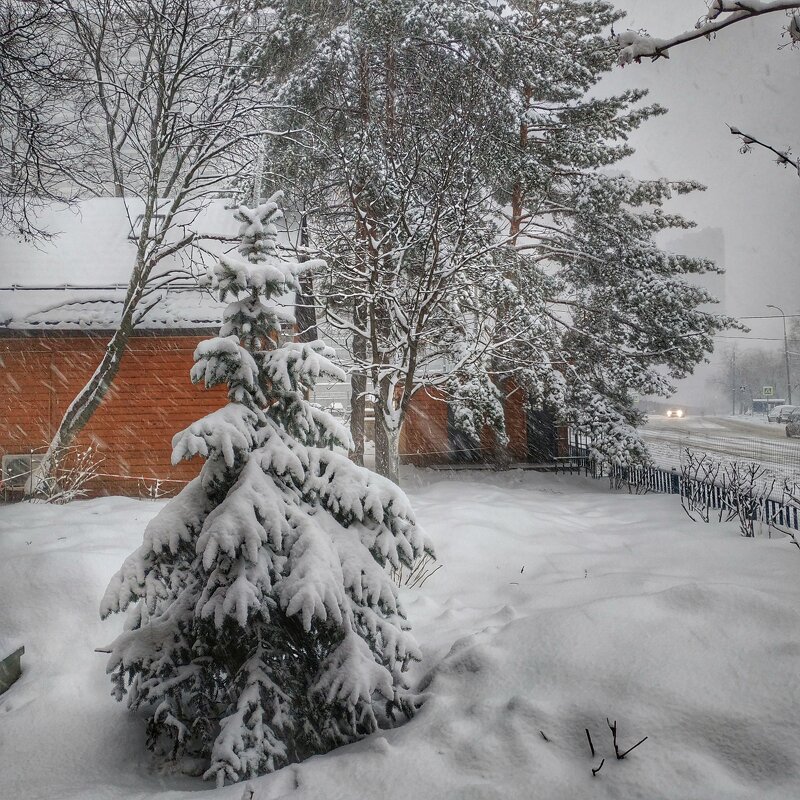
x=78, y=278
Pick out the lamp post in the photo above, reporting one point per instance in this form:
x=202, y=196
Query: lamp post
x=785, y=355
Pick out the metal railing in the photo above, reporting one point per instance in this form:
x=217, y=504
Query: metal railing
x=753, y=502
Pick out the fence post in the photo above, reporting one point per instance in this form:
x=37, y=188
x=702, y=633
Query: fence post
x=675, y=482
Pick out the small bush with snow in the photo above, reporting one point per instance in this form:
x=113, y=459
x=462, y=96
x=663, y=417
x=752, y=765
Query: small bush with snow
x=263, y=626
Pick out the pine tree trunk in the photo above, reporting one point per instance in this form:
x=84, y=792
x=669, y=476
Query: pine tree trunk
x=518, y=192
x=358, y=387
x=501, y=457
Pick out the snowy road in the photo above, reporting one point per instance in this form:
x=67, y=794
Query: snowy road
x=727, y=439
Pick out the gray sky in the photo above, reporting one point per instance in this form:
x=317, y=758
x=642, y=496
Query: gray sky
x=743, y=79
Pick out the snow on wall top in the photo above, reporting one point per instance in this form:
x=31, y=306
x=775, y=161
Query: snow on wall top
x=78, y=279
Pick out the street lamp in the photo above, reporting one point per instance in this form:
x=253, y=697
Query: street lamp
x=785, y=355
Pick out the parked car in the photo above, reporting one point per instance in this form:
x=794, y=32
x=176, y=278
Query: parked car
x=780, y=414
x=675, y=412
x=793, y=425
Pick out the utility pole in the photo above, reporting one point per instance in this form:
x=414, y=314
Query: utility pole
x=733, y=382
x=785, y=355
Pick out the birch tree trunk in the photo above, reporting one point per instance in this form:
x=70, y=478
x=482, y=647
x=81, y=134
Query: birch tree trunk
x=387, y=439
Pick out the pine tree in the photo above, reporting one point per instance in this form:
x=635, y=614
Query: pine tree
x=597, y=313
x=468, y=149
x=263, y=626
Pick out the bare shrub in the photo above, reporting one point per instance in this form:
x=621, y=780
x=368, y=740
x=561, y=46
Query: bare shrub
x=781, y=514
x=77, y=468
x=746, y=488
x=699, y=476
x=415, y=577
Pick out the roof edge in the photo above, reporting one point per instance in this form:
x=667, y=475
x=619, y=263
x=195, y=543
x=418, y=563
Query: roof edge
x=96, y=333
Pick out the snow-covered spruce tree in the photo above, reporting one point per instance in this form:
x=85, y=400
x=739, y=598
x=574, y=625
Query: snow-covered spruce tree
x=262, y=624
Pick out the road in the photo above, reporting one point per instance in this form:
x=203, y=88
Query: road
x=749, y=439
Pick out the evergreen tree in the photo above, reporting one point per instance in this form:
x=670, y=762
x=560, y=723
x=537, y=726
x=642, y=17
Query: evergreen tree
x=610, y=314
x=458, y=161
x=263, y=626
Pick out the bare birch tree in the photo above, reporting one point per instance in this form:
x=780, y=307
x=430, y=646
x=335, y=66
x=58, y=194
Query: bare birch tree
x=38, y=136
x=168, y=102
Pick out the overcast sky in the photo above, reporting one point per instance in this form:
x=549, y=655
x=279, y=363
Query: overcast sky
x=743, y=79
x=740, y=78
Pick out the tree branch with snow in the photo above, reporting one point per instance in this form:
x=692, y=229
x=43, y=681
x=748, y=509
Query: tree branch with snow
x=635, y=45
x=784, y=157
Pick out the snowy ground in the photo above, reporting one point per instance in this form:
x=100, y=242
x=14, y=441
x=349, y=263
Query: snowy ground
x=559, y=604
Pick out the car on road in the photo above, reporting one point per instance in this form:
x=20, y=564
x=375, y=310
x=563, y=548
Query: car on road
x=780, y=414
x=675, y=413
x=793, y=425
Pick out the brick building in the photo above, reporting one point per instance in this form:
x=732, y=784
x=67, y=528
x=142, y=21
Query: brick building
x=130, y=434
x=59, y=304
x=430, y=438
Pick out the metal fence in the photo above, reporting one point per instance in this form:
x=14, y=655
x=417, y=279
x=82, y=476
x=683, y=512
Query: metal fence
x=780, y=457
x=752, y=504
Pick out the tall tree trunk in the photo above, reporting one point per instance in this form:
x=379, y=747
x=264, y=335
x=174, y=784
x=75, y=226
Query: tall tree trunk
x=358, y=377
x=501, y=456
x=305, y=312
x=387, y=438
x=358, y=385
x=518, y=191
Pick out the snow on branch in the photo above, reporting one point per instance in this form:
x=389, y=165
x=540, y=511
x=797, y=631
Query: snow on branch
x=784, y=157
x=636, y=45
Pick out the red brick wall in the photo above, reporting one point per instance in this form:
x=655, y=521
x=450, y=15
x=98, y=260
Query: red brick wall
x=424, y=440
x=423, y=437
x=152, y=398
